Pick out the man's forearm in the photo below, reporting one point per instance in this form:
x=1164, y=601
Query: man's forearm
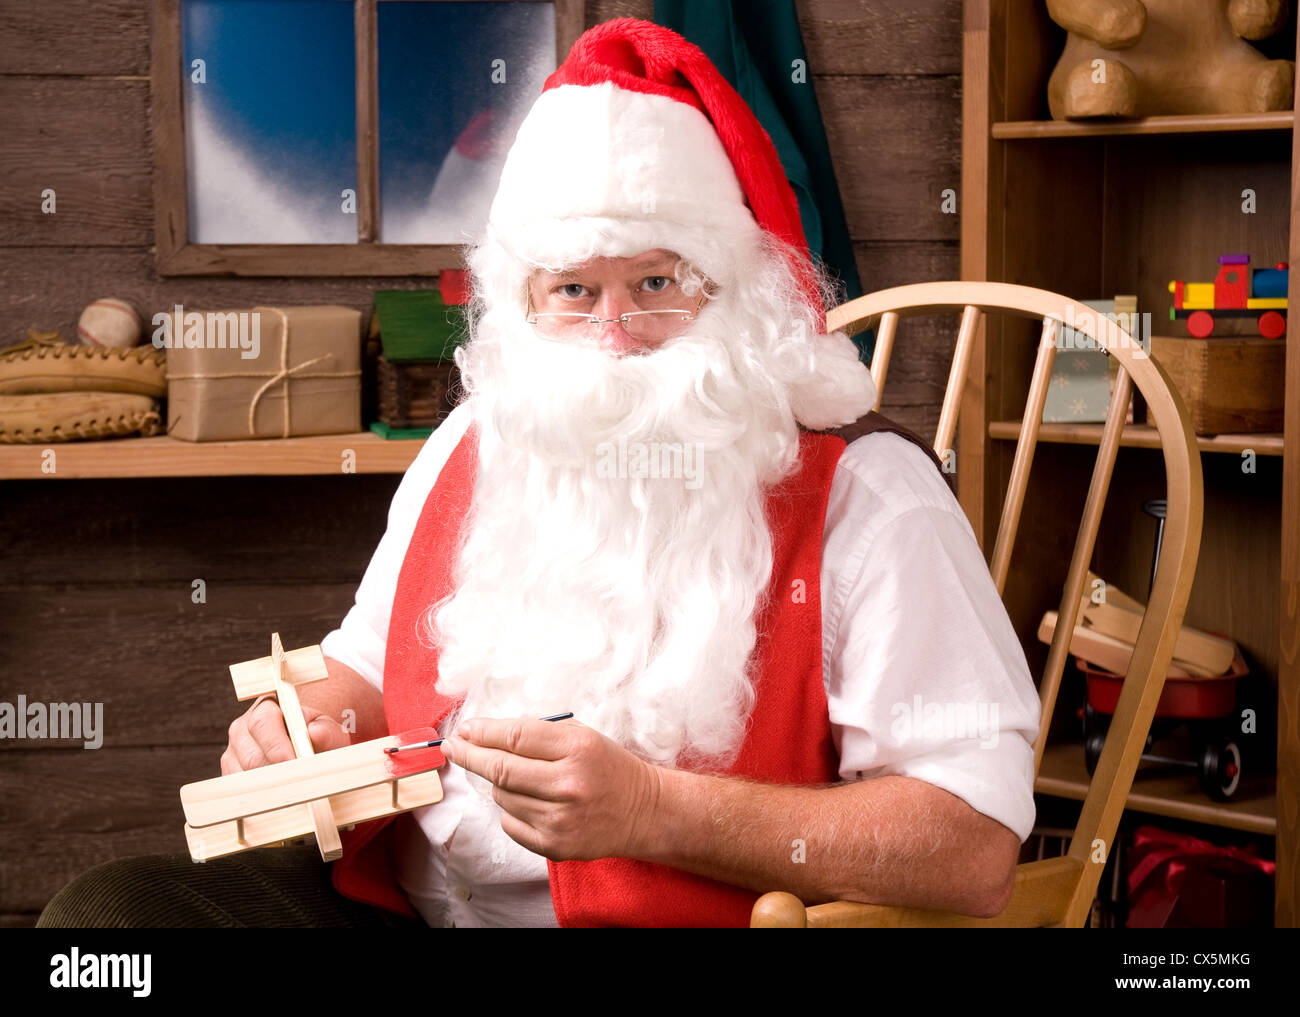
x=893, y=840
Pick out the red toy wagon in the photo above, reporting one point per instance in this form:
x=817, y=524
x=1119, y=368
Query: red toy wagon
x=1206, y=705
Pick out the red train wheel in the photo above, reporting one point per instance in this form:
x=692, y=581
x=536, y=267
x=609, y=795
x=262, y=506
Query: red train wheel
x=1200, y=324
x=1272, y=325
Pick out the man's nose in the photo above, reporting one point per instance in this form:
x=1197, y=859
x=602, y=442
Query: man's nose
x=613, y=303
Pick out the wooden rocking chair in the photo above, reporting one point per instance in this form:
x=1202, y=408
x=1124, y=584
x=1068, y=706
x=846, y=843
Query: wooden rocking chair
x=1053, y=892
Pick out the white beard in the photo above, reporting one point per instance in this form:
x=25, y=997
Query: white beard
x=629, y=599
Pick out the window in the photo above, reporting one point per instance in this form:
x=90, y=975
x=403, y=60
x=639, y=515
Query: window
x=339, y=137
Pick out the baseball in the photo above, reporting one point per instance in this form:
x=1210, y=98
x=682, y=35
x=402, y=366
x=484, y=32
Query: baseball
x=110, y=322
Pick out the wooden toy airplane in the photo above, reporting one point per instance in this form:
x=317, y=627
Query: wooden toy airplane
x=315, y=793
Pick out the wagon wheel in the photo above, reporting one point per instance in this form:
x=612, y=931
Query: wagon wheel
x=1092, y=750
x=1220, y=769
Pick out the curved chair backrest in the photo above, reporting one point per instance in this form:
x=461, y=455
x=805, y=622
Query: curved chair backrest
x=1063, y=895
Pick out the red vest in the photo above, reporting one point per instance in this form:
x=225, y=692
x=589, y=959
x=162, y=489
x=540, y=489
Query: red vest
x=788, y=739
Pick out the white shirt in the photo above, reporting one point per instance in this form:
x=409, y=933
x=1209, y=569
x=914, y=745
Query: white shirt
x=925, y=677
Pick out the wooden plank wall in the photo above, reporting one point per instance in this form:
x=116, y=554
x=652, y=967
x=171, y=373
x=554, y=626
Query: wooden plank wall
x=96, y=576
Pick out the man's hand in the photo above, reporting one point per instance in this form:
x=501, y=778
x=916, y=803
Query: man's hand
x=259, y=736
x=568, y=792
x=565, y=790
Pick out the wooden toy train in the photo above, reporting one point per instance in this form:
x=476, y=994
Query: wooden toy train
x=1237, y=292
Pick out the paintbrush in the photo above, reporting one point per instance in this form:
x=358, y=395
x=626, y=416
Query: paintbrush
x=439, y=741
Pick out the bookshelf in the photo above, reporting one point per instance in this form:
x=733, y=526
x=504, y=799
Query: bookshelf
x=1092, y=209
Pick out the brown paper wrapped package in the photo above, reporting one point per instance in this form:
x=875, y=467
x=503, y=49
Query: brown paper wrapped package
x=305, y=380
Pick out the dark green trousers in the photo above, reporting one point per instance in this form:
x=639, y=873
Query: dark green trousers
x=279, y=888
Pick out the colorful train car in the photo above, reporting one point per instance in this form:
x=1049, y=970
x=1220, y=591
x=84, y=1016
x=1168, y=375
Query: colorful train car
x=1237, y=292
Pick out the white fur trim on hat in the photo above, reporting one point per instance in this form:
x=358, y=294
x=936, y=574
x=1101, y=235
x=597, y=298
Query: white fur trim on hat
x=602, y=171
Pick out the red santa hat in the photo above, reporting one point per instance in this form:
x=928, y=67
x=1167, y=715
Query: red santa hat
x=638, y=127
x=638, y=142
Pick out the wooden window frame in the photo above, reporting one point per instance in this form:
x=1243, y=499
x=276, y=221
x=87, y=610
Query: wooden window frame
x=176, y=255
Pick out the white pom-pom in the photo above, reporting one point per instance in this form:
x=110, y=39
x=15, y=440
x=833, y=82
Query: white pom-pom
x=841, y=389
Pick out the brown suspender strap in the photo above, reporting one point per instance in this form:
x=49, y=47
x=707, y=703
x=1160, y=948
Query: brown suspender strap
x=873, y=422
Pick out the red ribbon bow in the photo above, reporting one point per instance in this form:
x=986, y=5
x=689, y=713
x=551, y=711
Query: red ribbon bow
x=1154, y=847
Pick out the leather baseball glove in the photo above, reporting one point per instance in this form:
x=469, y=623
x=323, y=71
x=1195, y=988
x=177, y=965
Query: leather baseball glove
x=66, y=416
x=42, y=365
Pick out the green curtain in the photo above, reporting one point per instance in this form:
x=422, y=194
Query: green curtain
x=754, y=44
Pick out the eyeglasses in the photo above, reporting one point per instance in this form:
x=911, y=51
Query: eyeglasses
x=646, y=325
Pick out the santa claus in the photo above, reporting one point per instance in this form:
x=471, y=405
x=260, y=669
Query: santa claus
x=631, y=518
x=638, y=515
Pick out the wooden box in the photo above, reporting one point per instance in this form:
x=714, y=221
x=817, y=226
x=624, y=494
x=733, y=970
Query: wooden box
x=417, y=395
x=1231, y=384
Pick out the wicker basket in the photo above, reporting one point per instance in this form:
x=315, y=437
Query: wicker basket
x=417, y=395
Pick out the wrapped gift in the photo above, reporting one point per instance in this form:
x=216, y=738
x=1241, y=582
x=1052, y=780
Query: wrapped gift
x=1178, y=881
x=1083, y=377
x=272, y=372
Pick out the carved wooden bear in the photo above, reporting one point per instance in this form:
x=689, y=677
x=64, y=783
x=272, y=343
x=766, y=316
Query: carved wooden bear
x=1125, y=58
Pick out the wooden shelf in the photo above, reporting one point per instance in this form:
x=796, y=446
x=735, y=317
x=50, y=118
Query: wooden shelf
x=1177, y=795
x=169, y=457
x=1139, y=436
x=1008, y=130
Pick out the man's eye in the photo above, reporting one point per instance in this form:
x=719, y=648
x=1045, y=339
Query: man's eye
x=567, y=290
x=658, y=283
